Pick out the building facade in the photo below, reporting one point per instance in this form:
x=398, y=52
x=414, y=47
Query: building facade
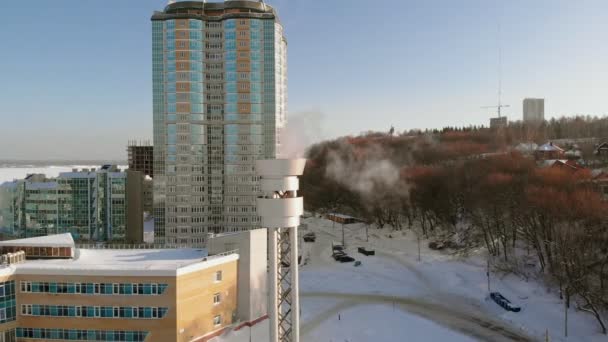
x=499, y=122
x=534, y=110
x=141, y=157
x=90, y=204
x=219, y=93
x=114, y=295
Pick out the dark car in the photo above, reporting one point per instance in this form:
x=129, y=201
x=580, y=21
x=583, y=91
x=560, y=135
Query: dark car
x=346, y=258
x=309, y=237
x=504, y=302
x=337, y=247
x=365, y=251
x=338, y=255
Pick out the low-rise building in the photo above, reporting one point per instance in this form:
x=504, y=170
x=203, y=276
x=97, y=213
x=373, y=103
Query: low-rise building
x=549, y=151
x=50, y=290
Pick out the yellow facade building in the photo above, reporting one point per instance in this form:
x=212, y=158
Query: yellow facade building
x=52, y=291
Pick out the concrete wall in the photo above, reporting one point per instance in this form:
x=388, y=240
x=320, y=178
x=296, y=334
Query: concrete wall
x=252, y=272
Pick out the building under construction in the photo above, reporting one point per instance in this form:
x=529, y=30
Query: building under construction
x=141, y=157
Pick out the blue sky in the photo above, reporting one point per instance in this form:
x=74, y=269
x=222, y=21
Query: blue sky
x=76, y=74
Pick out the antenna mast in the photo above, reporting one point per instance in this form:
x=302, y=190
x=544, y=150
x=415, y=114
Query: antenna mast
x=500, y=105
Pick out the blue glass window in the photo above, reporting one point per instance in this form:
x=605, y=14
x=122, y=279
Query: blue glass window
x=196, y=77
x=230, y=55
x=230, y=65
x=172, y=108
x=231, y=87
x=230, y=23
x=195, y=24
x=196, y=108
x=171, y=77
x=231, y=98
x=230, y=35
x=230, y=108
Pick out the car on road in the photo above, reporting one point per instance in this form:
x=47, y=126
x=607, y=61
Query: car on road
x=365, y=251
x=346, y=258
x=504, y=302
x=338, y=255
x=309, y=237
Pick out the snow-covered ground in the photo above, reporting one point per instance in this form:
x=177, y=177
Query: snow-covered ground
x=393, y=297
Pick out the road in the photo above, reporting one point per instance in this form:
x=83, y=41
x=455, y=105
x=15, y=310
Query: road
x=453, y=312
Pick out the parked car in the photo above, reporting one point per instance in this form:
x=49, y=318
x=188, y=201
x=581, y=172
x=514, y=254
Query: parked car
x=365, y=251
x=338, y=255
x=309, y=237
x=337, y=247
x=504, y=302
x=346, y=258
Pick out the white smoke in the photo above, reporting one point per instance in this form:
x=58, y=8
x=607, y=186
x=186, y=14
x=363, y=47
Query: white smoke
x=365, y=174
x=301, y=131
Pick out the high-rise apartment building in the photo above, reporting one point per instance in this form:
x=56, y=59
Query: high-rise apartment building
x=219, y=93
x=534, y=110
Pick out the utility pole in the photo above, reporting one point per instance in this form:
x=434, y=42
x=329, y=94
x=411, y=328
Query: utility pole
x=566, y=300
x=343, y=242
x=488, y=273
x=418, y=238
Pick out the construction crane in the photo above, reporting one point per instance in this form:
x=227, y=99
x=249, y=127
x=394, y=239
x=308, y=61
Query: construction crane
x=497, y=107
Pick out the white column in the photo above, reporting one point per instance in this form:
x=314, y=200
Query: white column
x=272, y=294
x=295, y=287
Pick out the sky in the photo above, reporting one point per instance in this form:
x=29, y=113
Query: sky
x=76, y=75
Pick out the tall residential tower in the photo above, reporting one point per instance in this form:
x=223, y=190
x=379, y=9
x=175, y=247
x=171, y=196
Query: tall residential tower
x=219, y=90
x=534, y=110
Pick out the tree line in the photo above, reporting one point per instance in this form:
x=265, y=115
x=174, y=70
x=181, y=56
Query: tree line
x=462, y=185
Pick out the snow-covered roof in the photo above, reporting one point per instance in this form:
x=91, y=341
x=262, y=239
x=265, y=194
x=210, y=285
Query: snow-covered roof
x=125, y=262
x=548, y=147
x=57, y=240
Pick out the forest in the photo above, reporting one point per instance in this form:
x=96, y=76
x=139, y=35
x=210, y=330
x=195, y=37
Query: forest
x=470, y=188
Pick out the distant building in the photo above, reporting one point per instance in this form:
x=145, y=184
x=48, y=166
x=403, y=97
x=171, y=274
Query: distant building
x=141, y=157
x=549, y=151
x=567, y=165
x=93, y=205
x=534, y=110
x=56, y=291
x=499, y=122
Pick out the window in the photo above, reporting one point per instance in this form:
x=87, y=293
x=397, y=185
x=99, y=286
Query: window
x=2, y=314
x=217, y=298
x=115, y=288
x=218, y=276
x=217, y=320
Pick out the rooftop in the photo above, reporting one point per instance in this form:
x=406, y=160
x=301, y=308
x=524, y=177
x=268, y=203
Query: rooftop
x=114, y=262
x=57, y=240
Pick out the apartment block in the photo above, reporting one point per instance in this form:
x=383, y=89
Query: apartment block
x=534, y=110
x=219, y=104
x=92, y=205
